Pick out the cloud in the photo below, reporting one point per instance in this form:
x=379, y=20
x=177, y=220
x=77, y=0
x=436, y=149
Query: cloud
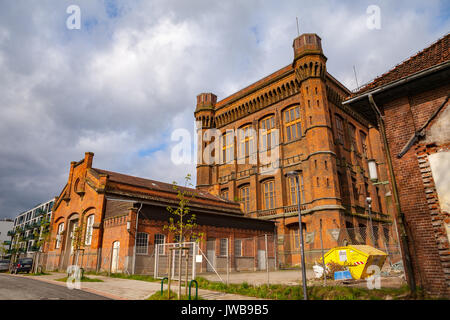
x=122, y=83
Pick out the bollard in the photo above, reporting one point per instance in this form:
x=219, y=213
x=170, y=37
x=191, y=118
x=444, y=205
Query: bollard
x=196, y=289
x=162, y=284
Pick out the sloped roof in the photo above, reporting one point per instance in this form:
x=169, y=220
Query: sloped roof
x=158, y=185
x=437, y=53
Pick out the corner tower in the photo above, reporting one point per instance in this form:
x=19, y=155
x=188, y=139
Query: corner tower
x=204, y=117
x=320, y=164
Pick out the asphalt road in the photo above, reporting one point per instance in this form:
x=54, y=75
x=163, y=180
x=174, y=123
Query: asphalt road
x=23, y=288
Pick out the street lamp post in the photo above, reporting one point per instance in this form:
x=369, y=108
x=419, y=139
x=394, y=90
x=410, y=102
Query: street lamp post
x=295, y=174
x=369, y=204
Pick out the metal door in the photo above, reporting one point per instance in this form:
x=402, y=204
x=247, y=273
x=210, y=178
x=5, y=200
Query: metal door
x=210, y=254
x=261, y=260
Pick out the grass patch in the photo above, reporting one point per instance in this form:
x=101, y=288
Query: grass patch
x=284, y=292
x=36, y=274
x=83, y=279
x=135, y=277
x=173, y=296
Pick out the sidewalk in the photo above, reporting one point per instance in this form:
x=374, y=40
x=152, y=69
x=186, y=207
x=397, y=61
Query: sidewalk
x=125, y=289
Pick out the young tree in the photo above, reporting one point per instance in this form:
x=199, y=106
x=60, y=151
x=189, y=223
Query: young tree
x=183, y=224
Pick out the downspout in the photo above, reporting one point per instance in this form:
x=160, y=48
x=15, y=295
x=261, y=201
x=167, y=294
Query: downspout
x=400, y=216
x=135, y=239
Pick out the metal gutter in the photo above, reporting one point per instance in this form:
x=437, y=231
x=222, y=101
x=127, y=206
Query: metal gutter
x=397, y=83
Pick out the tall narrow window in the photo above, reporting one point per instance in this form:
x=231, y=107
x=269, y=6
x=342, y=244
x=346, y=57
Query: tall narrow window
x=142, y=243
x=223, y=247
x=59, y=235
x=246, y=141
x=293, y=190
x=363, y=143
x=292, y=123
x=269, y=194
x=228, y=147
x=89, y=229
x=352, y=130
x=268, y=138
x=339, y=129
x=160, y=240
x=355, y=190
x=237, y=248
x=244, y=195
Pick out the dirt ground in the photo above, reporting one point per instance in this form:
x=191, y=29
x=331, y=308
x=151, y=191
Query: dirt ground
x=293, y=277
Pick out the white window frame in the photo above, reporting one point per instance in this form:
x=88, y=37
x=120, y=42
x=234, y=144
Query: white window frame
x=157, y=239
x=89, y=229
x=59, y=235
x=223, y=247
x=142, y=244
x=236, y=253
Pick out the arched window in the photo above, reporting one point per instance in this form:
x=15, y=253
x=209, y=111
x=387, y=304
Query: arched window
x=142, y=243
x=268, y=136
x=292, y=123
x=59, y=235
x=244, y=196
x=224, y=194
x=269, y=194
x=159, y=242
x=89, y=229
x=246, y=141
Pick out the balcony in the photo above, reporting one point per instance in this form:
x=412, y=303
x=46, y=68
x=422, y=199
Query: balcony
x=6, y=243
x=11, y=233
x=265, y=213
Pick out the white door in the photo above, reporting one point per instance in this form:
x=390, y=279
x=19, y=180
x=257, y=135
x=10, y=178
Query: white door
x=115, y=257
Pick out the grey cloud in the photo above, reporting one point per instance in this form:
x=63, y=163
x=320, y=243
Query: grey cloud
x=115, y=86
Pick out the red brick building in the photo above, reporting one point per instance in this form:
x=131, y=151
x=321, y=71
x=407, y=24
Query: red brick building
x=106, y=205
x=410, y=106
x=297, y=114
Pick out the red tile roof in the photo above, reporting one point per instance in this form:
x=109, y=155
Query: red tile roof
x=158, y=185
x=437, y=53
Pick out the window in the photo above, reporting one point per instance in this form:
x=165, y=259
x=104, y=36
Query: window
x=292, y=123
x=237, y=248
x=142, y=243
x=228, y=147
x=363, y=143
x=246, y=141
x=293, y=190
x=224, y=194
x=89, y=228
x=340, y=129
x=353, y=136
x=268, y=138
x=244, y=195
x=269, y=195
x=355, y=190
x=224, y=247
x=59, y=235
x=160, y=239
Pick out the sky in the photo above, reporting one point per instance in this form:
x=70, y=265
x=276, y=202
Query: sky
x=128, y=77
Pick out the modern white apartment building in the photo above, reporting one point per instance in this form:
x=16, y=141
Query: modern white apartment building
x=27, y=228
